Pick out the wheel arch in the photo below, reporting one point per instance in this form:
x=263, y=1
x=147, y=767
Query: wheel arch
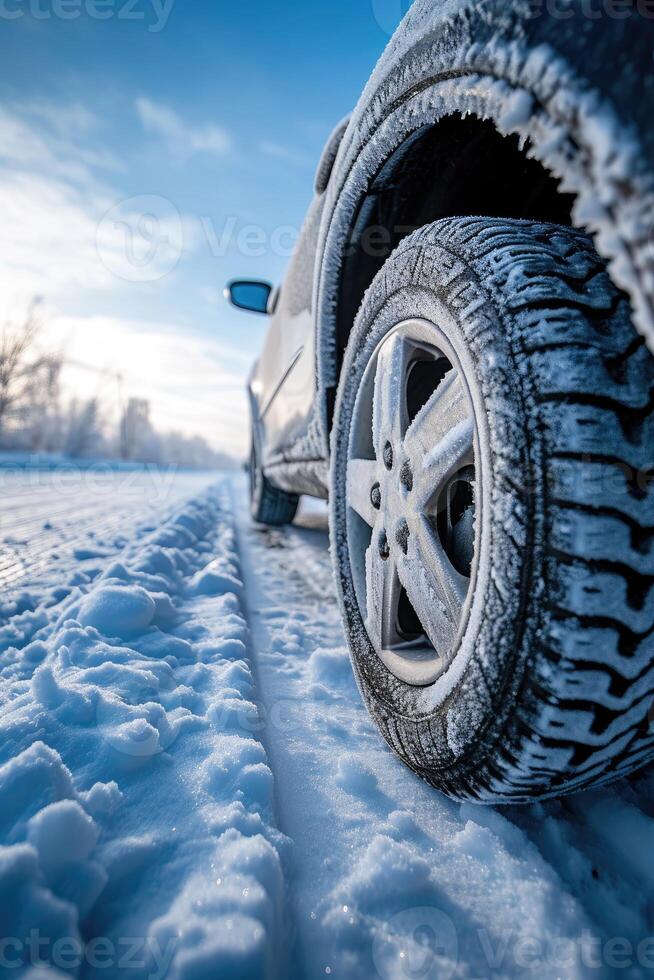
x=461, y=84
x=456, y=167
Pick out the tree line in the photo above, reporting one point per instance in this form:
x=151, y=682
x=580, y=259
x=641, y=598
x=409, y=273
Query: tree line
x=34, y=417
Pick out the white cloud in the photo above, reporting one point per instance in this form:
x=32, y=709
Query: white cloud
x=184, y=377
x=28, y=146
x=181, y=138
x=61, y=238
x=281, y=152
x=47, y=239
x=51, y=203
x=63, y=229
x=211, y=295
x=67, y=120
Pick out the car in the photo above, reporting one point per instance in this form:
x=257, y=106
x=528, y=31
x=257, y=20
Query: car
x=460, y=360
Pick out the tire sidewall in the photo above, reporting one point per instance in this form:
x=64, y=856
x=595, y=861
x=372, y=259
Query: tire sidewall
x=449, y=721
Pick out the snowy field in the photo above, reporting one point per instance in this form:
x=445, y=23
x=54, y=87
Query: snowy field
x=190, y=786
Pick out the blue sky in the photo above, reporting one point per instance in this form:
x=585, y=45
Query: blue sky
x=209, y=116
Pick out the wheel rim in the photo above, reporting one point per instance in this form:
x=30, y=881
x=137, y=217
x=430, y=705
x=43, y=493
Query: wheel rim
x=413, y=501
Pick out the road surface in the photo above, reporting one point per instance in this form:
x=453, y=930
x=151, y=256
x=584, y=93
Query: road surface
x=186, y=765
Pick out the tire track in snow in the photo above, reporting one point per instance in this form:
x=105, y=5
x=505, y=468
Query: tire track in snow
x=137, y=803
x=138, y=798
x=52, y=524
x=39, y=578
x=374, y=847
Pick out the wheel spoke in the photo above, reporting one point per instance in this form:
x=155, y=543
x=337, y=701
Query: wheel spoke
x=436, y=590
x=440, y=440
x=412, y=542
x=389, y=403
x=361, y=477
x=382, y=599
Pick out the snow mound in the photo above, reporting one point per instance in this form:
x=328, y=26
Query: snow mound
x=133, y=803
x=332, y=667
x=354, y=776
x=117, y=611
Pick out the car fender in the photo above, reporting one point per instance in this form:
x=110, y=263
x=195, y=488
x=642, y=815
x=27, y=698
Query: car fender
x=577, y=91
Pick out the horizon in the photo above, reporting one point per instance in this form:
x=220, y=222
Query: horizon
x=144, y=162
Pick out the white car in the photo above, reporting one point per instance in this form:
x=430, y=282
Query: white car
x=460, y=359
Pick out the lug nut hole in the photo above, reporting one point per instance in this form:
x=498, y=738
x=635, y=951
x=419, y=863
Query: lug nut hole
x=406, y=477
x=402, y=536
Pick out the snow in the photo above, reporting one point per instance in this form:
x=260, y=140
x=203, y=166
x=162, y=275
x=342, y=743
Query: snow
x=124, y=783
x=447, y=448
x=191, y=786
x=116, y=610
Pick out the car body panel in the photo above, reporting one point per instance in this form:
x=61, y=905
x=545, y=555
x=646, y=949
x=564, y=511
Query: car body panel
x=541, y=78
x=284, y=419
x=283, y=384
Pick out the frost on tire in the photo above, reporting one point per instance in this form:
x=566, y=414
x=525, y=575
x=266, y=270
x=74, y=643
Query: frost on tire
x=551, y=684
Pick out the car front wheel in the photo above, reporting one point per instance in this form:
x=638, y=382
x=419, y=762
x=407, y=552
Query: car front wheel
x=491, y=515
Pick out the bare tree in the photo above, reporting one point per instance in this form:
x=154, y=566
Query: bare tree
x=84, y=429
x=137, y=437
x=32, y=417
x=40, y=414
x=29, y=381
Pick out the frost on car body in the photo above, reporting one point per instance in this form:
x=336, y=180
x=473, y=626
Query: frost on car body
x=491, y=148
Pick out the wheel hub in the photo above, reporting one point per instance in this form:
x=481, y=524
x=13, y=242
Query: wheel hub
x=412, y=501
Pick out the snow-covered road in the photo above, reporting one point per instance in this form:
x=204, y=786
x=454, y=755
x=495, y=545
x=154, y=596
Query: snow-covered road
x=48, y=516
x=191, y=786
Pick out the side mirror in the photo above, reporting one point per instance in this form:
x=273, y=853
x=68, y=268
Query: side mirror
x=249, y=294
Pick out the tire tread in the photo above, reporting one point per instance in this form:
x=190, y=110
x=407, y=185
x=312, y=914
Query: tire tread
x=582, y=705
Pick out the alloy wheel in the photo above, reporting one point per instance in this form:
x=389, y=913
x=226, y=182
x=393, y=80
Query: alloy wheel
x=413, y=501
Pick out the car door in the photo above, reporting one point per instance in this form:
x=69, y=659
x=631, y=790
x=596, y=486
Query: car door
x=283, y=383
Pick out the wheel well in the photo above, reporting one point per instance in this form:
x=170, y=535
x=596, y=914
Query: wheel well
x=461, y=166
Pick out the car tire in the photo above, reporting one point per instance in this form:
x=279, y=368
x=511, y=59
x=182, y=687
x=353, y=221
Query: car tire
x=491, y=516
x=268, y=505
